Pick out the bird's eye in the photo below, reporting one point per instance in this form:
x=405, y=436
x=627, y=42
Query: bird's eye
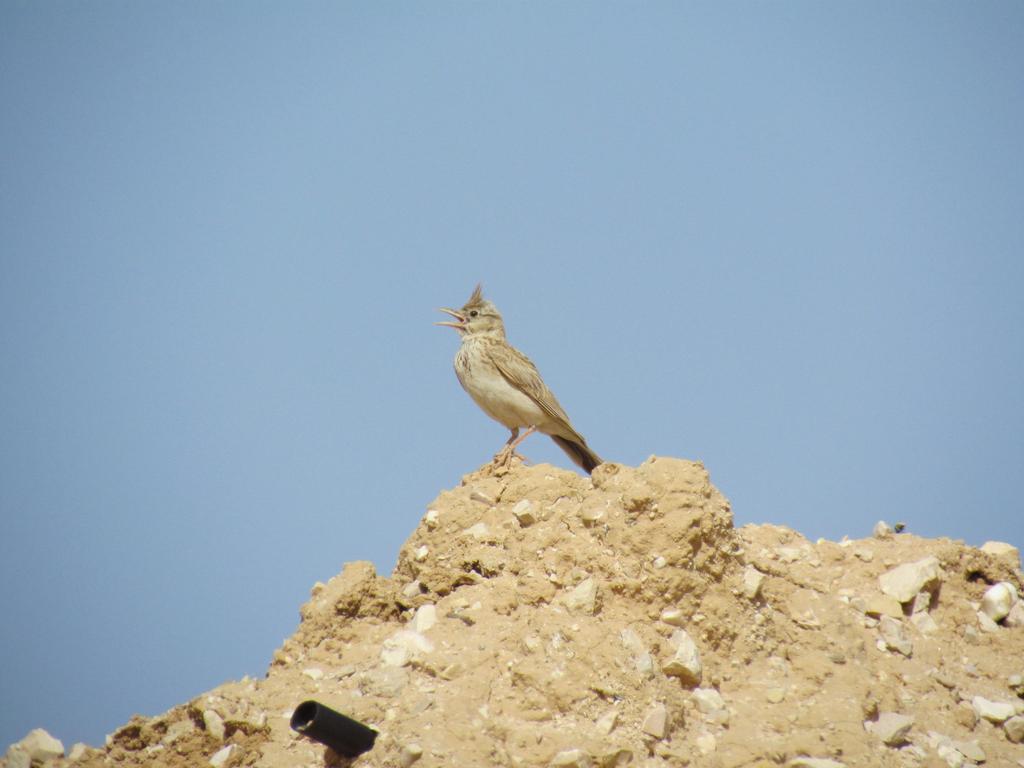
x=473, y=313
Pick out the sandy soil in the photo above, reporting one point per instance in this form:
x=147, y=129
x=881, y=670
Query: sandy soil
x=542, y=618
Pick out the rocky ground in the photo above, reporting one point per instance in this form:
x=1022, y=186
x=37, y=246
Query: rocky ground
x=541, y=618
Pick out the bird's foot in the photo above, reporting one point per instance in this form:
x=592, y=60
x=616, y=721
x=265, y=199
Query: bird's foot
x=505, y=459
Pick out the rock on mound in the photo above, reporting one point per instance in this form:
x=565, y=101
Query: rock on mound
x=542, y=618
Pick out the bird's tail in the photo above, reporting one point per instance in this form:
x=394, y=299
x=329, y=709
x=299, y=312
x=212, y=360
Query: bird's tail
x=578, y=452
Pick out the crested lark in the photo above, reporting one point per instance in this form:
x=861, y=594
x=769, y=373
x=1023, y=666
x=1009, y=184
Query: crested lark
x=506, y=385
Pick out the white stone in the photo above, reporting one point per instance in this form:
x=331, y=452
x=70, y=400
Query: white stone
x=386, y=682
x=424, y=619
x=314, y=673
x=482, y=497
x=1014, y=728
x=214, y=724
x=645, y=664
x=642, y=659
x=893, y=635
x=404, y=646
x=659, y=562
x=710, y=703
x=985, y=623
x=789, y=554
x=706, y=743
x=571, y=758
x=865, y=554
x=410, y=754
x=924, y=622
x=421, y=552
x=40, y=746
x=904, y=581
x=222, y=756
x=673, y=616
x=17, y=757
x=78, y=751
x=775, y=694
x=882, y=530
x=753, y=579
x=1003, y=550
x=971, y=750
x=993, y=711
x=177, y=730
x=921, y=602
x=524, y=513
x=592, y=514
x=934, y=739
x=708, y=700
x=655, y=722
x=412, y=589
x=632, y=642
x=606, y=723
x=1015, y=618
x=998, y=600
x=432, y=518
x=891, y=727
x=882, y=605
x=582, y=597
x=685, y=663
x=814, y=762
x=477, y=530
x=952, y=755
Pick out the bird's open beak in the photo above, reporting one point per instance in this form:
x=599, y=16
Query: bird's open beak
x=460, y=325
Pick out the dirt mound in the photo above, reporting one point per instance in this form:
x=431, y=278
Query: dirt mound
x=542, y=618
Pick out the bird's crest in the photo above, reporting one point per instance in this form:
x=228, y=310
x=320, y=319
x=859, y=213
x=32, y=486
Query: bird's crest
x=477, y=298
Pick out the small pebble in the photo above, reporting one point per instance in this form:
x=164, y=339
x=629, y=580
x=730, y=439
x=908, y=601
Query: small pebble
x=410, y=754
x=483, y=498
x=214, y=724
x=1014, y=728
x=524, y=513
x=673, y=616
x=706, y=743
x=607, y=722
x=221, y=756
x=753, y=580
x=994, y=711
x=571, y=758
x=998, y=600
x=655, y=722
x=892, y=728
x=986, y=623
x=971, y=750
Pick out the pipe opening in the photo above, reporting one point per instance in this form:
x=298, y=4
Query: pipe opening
x=303, y=715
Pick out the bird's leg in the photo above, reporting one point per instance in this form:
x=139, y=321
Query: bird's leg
x=504, y=456
x=515, y=441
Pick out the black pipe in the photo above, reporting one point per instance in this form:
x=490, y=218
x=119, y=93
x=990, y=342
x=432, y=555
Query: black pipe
x=347, y=737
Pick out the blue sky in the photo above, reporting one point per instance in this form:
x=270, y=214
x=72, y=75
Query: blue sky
x=785, y=239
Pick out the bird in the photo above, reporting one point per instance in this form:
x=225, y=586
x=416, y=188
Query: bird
x=507, y=385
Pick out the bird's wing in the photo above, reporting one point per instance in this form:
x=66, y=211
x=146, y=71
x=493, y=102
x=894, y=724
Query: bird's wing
x=519, y=371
